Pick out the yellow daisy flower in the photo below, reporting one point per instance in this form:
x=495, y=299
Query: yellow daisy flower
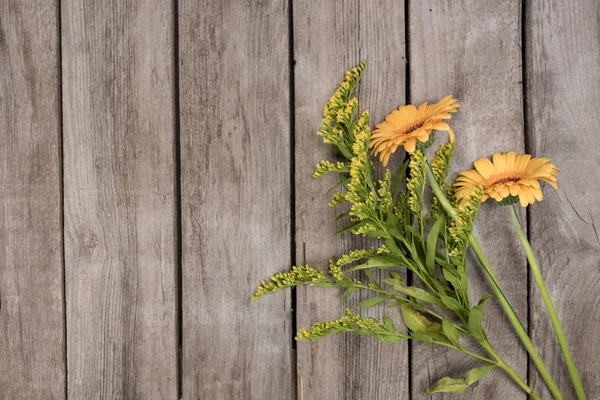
x=408, y=124
x=508, y=175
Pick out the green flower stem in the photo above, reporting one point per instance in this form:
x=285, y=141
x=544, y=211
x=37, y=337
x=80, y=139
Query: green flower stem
x=511, y=372
x=539, y=280
x=463, y=350
x=510, y=312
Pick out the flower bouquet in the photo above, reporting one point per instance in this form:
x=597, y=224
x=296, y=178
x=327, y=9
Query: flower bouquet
x=427, y=237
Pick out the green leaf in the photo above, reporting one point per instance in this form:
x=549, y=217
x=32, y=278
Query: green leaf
x=432, y=240
x=397, y=303
x=351, y=225
x=341, y=182
x=413, y=231
x=325, y=284
x=384, y=261
x=345, y=151
x=413, y=291
x=445, y=264
x=459, y=385
x=348, y=291
x=429, y=337
x=389, y=324
x=372, y=302
x=367, y=266
x=393, y=225
x=391, y=245
x=451, y=332
x=417, y=322
x=396, y=275
x=475, y=319
x=376, y=234
x=399, y=175
x=451, y=303
x=484, y=298
x=342, y=215
x=382, y=337
x=346, y=283
x=452, y=278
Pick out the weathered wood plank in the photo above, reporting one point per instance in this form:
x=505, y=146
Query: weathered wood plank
x=329, y=38
x=563, y=92
x=235, y=173
x=473, y=51
x=32, y=344
x=119, y=199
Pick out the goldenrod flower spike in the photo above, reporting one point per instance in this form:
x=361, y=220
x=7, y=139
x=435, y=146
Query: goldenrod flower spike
x=406, y=125
x=508, y=178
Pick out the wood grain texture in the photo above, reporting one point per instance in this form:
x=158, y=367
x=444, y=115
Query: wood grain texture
x=235, y=173
x=31, y=275
x=473, y=51
x=329, y=38
x=120, y=241
x=563, y=93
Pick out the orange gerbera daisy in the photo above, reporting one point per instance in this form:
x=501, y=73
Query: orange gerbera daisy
x=408, y=124
x=508, y=175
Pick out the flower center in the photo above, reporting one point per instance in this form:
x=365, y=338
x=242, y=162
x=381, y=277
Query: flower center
x=409, y=129
x=504, y=178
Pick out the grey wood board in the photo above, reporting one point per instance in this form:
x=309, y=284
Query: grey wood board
x=235, y=174
x=473, y=52
x=119, y=192
x=563, y=81
x=32, y=345
x=329, y=38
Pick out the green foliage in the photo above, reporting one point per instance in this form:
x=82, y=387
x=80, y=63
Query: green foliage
x=459, y=385
x=299, y=275
x=460, y=228
x=428, y=243
x=339, y=112
x=325, y=167
x=416, y=183
x=440, y=166
x=383, y=330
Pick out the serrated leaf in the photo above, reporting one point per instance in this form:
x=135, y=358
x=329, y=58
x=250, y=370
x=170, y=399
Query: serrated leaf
x=459, y=385
x=372, y=302
x=432, y=240
x=413, y=291
x=451, y=332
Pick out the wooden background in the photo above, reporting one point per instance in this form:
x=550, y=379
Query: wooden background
x=155, y=166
